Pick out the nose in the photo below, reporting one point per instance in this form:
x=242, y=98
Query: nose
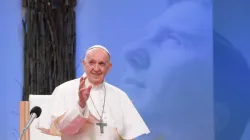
x=96, y=67
x=138, y=58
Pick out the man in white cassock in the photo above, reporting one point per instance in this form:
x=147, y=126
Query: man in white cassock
x=88, y=108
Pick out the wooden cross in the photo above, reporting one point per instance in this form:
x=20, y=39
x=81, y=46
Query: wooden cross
x=101, y=124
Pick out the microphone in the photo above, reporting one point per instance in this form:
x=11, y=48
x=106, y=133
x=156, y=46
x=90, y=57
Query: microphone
x=34, y=113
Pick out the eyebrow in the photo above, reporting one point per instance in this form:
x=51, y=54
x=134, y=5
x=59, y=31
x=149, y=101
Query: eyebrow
x=102, y=61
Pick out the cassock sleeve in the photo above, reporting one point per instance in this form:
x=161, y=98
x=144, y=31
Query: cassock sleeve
x=58, y=108
x=73, y=119
x=72, y=116
x=133, y=124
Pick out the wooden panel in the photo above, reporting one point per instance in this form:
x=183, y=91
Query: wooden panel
x=24, y=118
x=49, y=45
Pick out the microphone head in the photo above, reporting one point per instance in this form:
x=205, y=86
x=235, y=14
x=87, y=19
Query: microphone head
x=37, y=110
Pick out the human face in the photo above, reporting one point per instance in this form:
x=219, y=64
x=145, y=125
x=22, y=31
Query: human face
x=162, y=64
x=96, y=65
x=151, y=60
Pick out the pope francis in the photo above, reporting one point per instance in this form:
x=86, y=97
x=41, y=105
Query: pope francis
x=88, y=108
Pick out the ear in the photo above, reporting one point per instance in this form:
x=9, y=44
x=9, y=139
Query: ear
x=109, y=68
x=83, y=63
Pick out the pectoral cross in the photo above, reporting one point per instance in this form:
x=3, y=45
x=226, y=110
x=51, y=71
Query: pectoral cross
x=101, y=124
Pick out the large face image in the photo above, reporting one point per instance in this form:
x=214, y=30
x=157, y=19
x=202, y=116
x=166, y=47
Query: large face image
x=174, y=39
x=161, y=65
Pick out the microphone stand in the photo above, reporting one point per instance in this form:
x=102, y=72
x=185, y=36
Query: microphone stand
x=31, y=119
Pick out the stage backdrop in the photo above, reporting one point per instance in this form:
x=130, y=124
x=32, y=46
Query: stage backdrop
x=188, y=80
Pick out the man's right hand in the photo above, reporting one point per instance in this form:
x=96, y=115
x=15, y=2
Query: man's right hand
x=83, y=92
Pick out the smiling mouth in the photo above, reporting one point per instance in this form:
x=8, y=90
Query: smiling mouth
x=96, y=74
x=135, y=82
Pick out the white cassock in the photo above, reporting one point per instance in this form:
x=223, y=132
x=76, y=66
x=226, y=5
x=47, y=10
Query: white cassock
x=123, y=120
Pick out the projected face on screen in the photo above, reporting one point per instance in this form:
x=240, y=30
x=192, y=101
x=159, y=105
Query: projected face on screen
x=156, y=67
x=170, y=42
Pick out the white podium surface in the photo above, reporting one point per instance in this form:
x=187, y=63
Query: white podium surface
x=43, y=101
